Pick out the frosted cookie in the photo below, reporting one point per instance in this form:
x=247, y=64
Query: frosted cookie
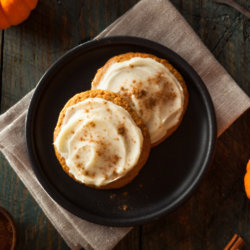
x=155, y=89
x=100, y=140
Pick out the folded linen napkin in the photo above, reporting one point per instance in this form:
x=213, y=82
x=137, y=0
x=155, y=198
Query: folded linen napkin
x=156, y=20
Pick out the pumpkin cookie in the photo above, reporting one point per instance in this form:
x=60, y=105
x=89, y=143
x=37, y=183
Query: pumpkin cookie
x=155, y=89
x=100, y=140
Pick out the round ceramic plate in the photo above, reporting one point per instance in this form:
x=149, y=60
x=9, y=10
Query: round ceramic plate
x=174, y=168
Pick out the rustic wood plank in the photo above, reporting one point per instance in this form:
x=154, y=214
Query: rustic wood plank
x=131, y=241
x=53, y=28
x=219, y=208
x=24, y=61
x=225, y=32
x=1, y=63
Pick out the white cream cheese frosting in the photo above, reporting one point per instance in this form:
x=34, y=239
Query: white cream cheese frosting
x=152, y=89
x=99, y=141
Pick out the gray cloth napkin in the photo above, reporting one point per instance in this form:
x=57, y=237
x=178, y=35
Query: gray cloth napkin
x=156, y=20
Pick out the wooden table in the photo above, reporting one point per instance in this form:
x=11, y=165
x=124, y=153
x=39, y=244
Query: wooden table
x=219, y=207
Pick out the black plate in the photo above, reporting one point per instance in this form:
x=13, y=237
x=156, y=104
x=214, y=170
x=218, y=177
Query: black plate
x=174, y=168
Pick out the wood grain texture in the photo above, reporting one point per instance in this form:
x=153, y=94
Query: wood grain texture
x=1, y=63
x=219, y=207
x=131, y=241
x=29, y=49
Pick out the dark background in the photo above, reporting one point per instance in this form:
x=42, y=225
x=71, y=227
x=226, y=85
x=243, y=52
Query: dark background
x=219, y=208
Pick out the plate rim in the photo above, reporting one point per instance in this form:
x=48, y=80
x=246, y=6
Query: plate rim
x=62, y=60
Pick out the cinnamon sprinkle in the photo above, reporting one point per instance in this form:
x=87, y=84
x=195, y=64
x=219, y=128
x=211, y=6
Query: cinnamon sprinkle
x=114, y=173
x=138, y=93
x=121, y=130
x=115, y=159
x=150, y=102
x=99, y=152
x=140, y=112
x=92, y=124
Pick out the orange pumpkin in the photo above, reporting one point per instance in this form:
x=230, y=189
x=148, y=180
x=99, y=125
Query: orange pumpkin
x=13, y=12
x=247, y=180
